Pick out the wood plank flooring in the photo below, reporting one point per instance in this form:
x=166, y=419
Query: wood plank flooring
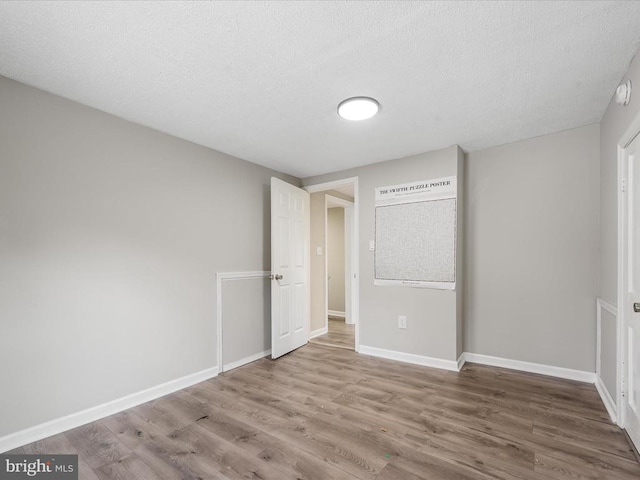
x=331, y=414
x=339, y=334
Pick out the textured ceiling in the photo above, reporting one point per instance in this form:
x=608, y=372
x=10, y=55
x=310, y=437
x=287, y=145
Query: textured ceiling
x=262, y=80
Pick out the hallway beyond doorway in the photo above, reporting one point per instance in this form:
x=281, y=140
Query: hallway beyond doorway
x=339, y=334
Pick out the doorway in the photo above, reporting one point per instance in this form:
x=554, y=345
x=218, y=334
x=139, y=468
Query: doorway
x=334, y=264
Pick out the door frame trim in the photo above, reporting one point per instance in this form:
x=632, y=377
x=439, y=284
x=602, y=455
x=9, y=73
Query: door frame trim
x=355, y=294
x=625, y=140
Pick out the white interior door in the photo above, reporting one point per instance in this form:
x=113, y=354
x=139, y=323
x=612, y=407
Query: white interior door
x=631, y=296
x=289, y=267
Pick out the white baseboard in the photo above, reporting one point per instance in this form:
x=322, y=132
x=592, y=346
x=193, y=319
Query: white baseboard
x=410, y=358
x=336, y=313
x=560, y=372
x=461, y=360
x=53, y=427
x=609, y=404
x=59, y=425
x=318, y=332
x=252, y=358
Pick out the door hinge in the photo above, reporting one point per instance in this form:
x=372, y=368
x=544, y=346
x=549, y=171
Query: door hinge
x=623, y=185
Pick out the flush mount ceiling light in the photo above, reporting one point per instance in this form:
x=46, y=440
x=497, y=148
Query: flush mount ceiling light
x=358, y=108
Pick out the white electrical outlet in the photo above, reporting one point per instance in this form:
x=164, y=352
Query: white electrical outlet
x=318, y=251
x=402, y=321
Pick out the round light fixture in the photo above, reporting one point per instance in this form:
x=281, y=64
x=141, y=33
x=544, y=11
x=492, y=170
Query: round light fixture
x=623, y=94
x=358, y=108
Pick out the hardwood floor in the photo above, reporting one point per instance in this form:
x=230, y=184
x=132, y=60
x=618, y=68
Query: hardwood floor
x=328, y=413
x=339, y=334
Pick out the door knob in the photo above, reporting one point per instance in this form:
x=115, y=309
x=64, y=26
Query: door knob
x=277, y=276
x=636, y=307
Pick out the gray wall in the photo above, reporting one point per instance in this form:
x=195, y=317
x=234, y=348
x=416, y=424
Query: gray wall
x=318, y=302
x=532, y=249
x=335, y=258
x=613, y=125
x=246, y=318
x=335, y=193
x=431, y=314
x=110, y=238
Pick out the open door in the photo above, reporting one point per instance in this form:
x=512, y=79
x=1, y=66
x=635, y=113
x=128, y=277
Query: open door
x=630, y=295
x=290, y=282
